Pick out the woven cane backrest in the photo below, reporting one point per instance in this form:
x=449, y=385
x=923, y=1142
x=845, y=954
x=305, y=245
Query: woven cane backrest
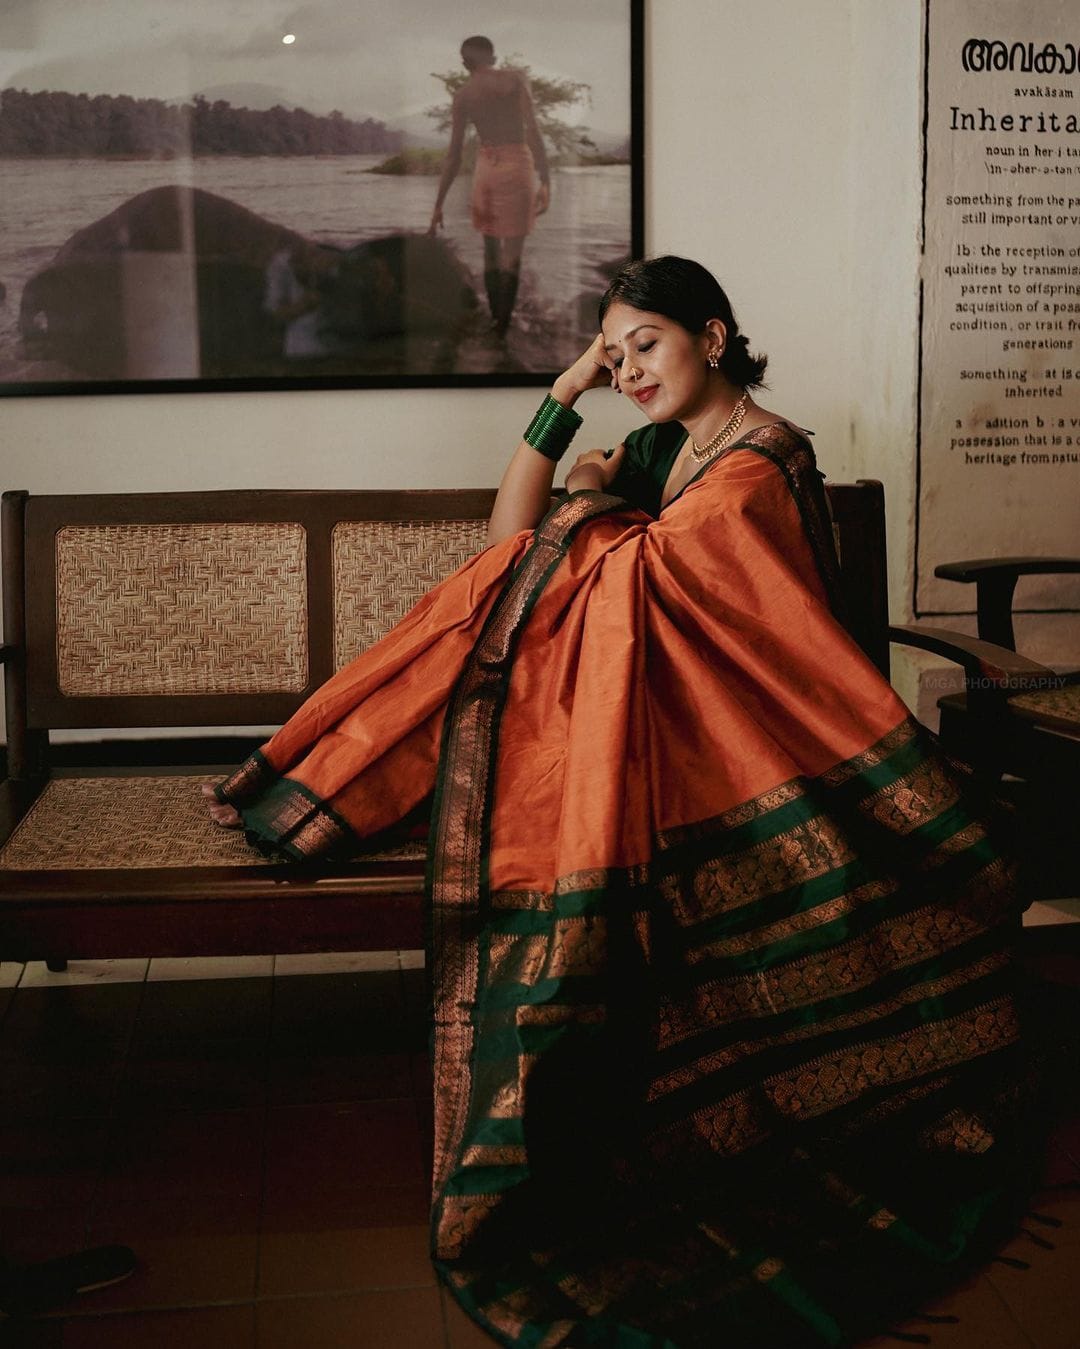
x=382, y=567
x=181, y=608
x=201, y=609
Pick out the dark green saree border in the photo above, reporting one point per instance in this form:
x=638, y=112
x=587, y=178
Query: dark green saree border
x=806, y=485
x=246, y=781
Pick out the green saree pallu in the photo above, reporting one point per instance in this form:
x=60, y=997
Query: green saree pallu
x=726, y=1045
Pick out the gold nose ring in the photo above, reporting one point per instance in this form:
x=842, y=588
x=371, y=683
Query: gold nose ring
x=635, y=374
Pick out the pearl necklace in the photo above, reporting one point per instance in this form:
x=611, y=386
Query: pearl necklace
x=699, y=453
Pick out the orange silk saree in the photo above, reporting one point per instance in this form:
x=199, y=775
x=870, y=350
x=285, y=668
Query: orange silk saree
x=725, y=1039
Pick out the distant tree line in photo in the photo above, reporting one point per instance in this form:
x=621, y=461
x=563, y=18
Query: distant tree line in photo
x=57, y=124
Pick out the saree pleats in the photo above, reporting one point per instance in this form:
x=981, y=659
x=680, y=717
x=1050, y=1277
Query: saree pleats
x=725, y=1036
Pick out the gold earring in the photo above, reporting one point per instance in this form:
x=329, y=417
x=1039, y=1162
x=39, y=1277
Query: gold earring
x=713, y=358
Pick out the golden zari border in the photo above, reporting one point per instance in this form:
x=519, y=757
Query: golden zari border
x=809, y=1090
x=915, y=799
x=901, y=735
x=688, y=1074
x=961, y=1131
x=764, y=804
x=576, y=947
x=904, y=940
x=248, y=781
x=810, y=849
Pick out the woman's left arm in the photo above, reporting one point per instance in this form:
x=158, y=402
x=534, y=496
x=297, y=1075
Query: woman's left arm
x=525, y=490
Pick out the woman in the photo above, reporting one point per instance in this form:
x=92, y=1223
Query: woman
x=505, y=199
x=725, y=1040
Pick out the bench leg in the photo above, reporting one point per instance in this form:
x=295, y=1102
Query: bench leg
x=56, y=966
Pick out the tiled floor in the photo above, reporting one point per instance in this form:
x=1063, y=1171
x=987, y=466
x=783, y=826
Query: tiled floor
x=259, y=1132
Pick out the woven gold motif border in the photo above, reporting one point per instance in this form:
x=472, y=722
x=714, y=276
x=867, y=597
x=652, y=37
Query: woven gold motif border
x=899, y=942
x=245, y=782
x=810, y=849
x=687, y=1074
x=772, y=799
x=908, y=730
x=913, y=799
x=811, y=1089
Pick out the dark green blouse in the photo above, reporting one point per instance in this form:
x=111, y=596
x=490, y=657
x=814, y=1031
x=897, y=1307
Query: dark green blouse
x=650, y=453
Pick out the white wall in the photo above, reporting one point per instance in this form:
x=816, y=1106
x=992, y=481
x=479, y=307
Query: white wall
x=782, y=150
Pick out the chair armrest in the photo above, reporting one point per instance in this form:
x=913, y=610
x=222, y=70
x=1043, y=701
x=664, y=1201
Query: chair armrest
x=7, y=652
x=995, y=581
x=977, y=568
x=989, y=670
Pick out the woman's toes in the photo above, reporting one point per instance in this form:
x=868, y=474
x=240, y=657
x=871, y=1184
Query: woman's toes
x=226, y=816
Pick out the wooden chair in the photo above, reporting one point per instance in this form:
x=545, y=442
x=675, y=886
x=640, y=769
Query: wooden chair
x=1025, y=728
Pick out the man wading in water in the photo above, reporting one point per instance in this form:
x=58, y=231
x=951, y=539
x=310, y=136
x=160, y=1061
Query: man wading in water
x=510, y=159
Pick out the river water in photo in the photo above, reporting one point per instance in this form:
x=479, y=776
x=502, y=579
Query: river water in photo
x=335, y=200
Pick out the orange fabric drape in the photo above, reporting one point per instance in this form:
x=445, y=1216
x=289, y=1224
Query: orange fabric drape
x=671, y=669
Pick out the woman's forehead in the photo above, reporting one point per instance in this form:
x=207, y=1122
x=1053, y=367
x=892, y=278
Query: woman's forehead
x=622, y=320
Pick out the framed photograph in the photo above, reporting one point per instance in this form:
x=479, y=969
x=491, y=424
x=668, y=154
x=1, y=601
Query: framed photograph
x=265, y=194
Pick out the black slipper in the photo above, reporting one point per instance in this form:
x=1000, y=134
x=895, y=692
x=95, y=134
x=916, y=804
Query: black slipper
x=27, y=1289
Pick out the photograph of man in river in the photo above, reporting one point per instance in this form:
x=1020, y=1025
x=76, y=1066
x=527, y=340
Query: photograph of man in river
x=229, y=194
x=511, y=178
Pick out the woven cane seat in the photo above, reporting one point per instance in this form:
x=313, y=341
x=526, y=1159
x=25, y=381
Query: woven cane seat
x=382, y=567
x=80, y=824
x=181, y=608
x=1058, y=708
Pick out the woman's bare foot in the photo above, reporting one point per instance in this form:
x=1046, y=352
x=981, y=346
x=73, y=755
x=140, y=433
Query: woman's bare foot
x=226, y=816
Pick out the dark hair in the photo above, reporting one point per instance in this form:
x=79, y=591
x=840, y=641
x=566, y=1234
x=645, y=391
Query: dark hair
x=478, y=46
x=688, y=293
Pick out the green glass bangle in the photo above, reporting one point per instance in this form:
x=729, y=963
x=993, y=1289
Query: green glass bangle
x=552, y=429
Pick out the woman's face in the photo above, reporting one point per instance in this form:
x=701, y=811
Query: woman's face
x=669, y=380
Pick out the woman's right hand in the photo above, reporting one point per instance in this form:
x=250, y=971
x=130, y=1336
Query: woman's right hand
x=593, y=369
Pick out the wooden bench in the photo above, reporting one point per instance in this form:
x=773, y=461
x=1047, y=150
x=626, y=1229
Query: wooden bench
x=195, y=611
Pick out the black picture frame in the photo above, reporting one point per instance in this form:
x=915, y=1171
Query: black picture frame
x=97, y=314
